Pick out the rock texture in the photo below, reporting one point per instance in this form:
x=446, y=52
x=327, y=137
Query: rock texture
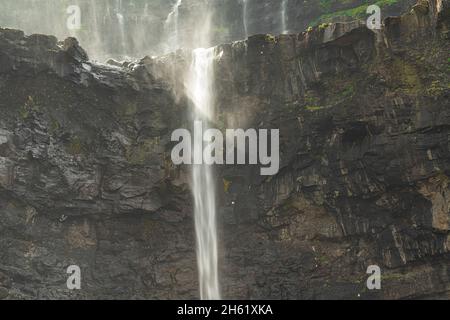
x=135, y=28
x=365, y=158
x=86, y=178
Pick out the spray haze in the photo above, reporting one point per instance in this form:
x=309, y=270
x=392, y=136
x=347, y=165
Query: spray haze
x=200, y=89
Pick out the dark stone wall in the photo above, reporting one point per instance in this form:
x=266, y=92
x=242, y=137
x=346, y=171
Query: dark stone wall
x=86, y=176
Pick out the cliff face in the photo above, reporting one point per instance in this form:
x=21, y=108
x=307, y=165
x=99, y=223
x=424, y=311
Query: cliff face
x=265, y=16
x=148, y=24
x=364, y=179
x=86, y=176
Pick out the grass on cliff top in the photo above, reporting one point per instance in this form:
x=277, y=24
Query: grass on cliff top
x=355, y=12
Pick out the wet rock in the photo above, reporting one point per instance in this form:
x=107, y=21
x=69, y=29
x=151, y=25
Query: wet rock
x=72, y=47
x=86, y=176
x=4, y=293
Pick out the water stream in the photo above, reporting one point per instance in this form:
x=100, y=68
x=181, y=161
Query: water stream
x=284, y=28
x=200, y=90
x=244, y=17
x=118, y=29
x=171, y=28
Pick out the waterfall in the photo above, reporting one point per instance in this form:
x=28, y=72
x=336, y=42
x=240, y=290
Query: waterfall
x=200, y=90
x=203, y=183
x=171, y=27
x=96, y=47
x=244, y=17
x=107, y=31
x=284, y=28
x=121, y=21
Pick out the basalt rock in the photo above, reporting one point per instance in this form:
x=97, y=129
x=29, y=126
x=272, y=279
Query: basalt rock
x=363, y=120
x=104, y=23
x=86, y=177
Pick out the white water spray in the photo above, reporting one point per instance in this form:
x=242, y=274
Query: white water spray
x=200, y=89
x=171, y=27
x=121, y=21
x=244, y=17
x=284, y=28
x=97, y=43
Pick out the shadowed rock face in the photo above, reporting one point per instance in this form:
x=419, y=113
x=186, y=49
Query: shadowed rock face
x=83, y=168
x=86, y=176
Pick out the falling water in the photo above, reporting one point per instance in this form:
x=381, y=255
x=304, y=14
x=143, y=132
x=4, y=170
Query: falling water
x=121, y=21
x=106, y=31
x=171, y=27
x=97, y=43
x=284, y=29
x=203, y=182
x=244, y=17
x=199, y=88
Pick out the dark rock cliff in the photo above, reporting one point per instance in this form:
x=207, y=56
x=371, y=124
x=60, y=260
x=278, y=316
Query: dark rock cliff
x=144, y=22
x=364, y=120
x=86, y=176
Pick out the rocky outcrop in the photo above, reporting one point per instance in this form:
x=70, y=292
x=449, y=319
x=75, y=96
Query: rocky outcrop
x=105, y=23
x=86, y=178
x=364, y=127
x=83, y=170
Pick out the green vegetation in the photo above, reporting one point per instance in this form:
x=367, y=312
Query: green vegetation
x=435, y=89
x=270, y=38
x=323, y=26
x=27, y=108
x=406, y=76
x=226, y=185
x=313, y=108
x=341, y=90
x=312, y=101
x=325, y=5
x=354, y=13
x=75, y=146
x=140, y=153
x=54, y=126
x=348, y=92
